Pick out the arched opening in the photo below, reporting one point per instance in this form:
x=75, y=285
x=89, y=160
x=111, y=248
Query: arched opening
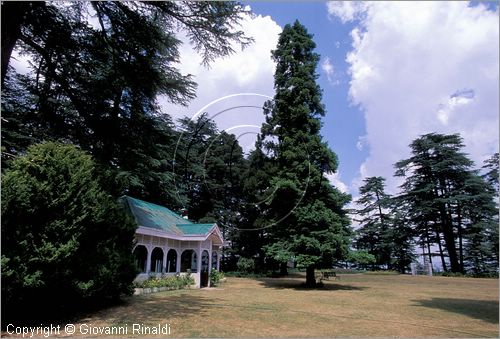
x=214, y=260
x=189, y=261
x=157, y=260
x=140, y=258
x=205, y=262
x=171, y=261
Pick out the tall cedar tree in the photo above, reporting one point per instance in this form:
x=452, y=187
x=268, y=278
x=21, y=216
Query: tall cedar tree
x=309, y=222
x=96, y=85
x=66, y=244
x=446, y=197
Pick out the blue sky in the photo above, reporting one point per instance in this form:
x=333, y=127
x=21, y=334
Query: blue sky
x=390, y=71
x=343, y=123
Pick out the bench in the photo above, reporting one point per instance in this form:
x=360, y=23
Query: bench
x=328, y=274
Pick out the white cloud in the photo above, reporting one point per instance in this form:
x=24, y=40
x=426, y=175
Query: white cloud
x=361, y=144
x=346, y=10
x=327, y=67
x=247, y=71
x=421, y=67
x=336, y=181
x=330, y=72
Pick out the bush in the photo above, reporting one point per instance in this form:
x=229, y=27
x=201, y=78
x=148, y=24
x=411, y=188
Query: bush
x=245, y=265
x=215, y=277
x=65, y=243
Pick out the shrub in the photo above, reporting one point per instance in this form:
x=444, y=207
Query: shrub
x=215, y=277
x=65, y=243
x=245, y=265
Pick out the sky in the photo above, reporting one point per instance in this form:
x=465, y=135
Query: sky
x=390, y=72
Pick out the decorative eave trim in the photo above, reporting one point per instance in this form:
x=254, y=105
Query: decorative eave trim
x=162, y=234
x=215, y=229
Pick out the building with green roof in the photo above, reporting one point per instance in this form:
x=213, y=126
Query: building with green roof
x=167, y=243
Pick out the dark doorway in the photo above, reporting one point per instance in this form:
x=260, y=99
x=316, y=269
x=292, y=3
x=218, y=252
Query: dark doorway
x=157, y=260
x=204, y=269
x=171, y=261
x=140, y=258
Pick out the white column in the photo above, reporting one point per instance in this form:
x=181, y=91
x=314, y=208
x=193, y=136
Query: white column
x=218, y=261
x=148, y=261
x=198, y=258
x=198, y=264
x=165, y=252
x=178, y=261
x=209, y=263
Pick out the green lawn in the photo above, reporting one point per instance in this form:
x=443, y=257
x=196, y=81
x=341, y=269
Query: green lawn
x=356, y=305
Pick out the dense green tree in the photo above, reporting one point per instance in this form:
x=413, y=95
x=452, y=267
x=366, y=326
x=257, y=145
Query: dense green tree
x=210, y=164
x=65, y=243
x=445, y=195
x=309, y=222
x=361, y=258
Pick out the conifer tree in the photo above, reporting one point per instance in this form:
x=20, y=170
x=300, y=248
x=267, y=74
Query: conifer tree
x=309, y=222
x=66, y=244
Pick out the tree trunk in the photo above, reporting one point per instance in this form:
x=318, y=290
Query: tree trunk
x=443, y=262
x=449, y=240
x=428, y=243
x=13, y=17
x=310, y=277
x=283, y=269
x=460, y=243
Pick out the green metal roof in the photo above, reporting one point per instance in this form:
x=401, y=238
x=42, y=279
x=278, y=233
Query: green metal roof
x=190, y=229
x=161, y=218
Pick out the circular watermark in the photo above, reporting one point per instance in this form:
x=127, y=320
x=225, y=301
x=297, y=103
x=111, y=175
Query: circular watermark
x=246, y=129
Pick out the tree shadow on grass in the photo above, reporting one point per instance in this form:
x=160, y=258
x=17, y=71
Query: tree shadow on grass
x=299, y=284
x=486, y=310
x=155, y=308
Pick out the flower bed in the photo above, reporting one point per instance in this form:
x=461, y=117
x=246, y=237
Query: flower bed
x=163, y=283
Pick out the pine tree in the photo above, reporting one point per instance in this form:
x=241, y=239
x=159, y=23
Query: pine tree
x=308, y=217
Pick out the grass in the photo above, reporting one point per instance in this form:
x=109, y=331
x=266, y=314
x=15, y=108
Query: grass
x=356, y=305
